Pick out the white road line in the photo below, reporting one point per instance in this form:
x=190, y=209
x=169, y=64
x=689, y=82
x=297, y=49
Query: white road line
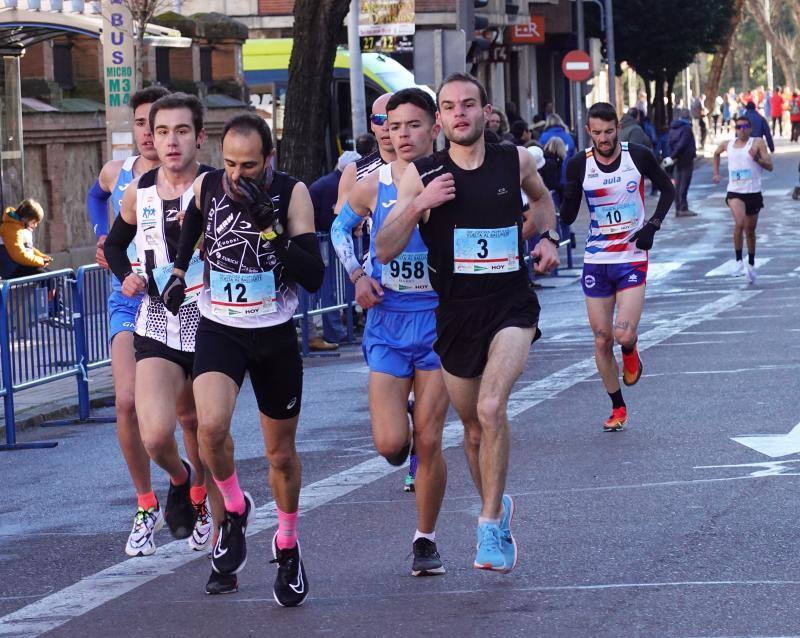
x=656, y=271
x=109, y=584
x=725, y=269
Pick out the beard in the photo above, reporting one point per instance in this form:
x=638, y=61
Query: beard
x=610, y=152
x=465, y=138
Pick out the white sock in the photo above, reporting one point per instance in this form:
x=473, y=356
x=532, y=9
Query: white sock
x=431, y=537
x=488, y=521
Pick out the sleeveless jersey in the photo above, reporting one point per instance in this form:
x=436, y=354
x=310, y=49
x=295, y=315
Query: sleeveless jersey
x=126, y=176
x=744, y=173
x=244, y=283
x=157, y=234
x=475, y=240
x=367, y=164
x=406, y=286
x=616, y=210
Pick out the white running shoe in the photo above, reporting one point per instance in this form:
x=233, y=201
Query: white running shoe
x=738, y=269
x=145, y=524
x=203, y=527
x=751, y=274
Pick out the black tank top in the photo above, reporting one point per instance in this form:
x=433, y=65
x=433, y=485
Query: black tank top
x=487, y=197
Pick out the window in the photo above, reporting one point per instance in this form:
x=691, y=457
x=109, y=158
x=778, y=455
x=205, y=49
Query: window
x=206, y=64
x=162, y=66
x=62, y=65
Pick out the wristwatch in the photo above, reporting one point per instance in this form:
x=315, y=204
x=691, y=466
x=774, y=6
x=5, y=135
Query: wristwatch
x=277, y=229
x=553, y=236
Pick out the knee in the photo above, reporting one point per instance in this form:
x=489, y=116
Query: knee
x=603, y=344
x=157, y=444
x=491, y=411
x=211, y=433
x=188, y=419
x=626, y=337
x=427, y=442
x=388, y=444
x=472, y=434
x=282, y=459
x=125, y=405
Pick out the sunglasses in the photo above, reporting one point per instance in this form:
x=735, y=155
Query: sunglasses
x=378, y=119
x=740, y=127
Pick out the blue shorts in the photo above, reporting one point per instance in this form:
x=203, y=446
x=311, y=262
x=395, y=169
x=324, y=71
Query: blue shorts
x=121, y=314
x=605, y=280
x=398, y=343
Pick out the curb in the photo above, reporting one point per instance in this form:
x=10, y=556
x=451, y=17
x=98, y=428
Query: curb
x=57, y=412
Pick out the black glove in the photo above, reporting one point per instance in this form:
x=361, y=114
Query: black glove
x=262, y=208
x=174, y=293
x=644, y=236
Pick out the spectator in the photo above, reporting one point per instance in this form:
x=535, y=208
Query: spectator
x=512, y=113
x=641, y=104
x=497, y=123
x=681, y=151
x=699, y=113
x=324, y=192
x=794, y=116
x=776, y=111
x=553, y=172
x=18, y=256
x=759, y=127
x=490, y=137
x=547, y=110
x=555, y=127
x=631, y=131
x=520, y=133
x=717, y=112
x=365, y=144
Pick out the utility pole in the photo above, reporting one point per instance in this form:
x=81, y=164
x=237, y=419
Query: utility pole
x=612, y=59
x=579, y=103
x=358, y=109
x=770, y=78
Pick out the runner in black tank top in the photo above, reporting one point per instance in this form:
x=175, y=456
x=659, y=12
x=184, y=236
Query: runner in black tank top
x=467, y=203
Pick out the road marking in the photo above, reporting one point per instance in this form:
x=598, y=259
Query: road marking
x=109, y=584
x=656, y=271
x=773, y=445
x=725, y=269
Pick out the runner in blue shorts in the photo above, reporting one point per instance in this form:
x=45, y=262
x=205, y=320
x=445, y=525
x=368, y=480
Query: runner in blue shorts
x=401, y=325
x=611, y=174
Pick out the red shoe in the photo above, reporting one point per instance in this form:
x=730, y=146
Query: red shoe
x=617, y=420
x=631, y=367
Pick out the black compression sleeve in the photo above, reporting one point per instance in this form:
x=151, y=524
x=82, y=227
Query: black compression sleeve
x=191, y=230
x=303, y=262
x=573, y=189
x=648, y=166
x=116, y=246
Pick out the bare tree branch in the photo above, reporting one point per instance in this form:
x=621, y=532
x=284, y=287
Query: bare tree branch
x=784, y=51
x=142, y=12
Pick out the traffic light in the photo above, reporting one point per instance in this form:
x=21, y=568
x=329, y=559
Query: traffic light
x=480, y=22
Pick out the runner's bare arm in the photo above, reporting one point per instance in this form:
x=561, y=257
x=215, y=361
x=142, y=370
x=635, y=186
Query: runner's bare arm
x=763, y=157
x=346, y=183
x=541, y=214
x=717, y=154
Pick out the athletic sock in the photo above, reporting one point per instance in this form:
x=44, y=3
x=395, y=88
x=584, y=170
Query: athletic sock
x=176, y=482
x=231, y=493
x=627, y=351
x=738, y=255
x=431, y=537
x=147, y=501
x=482, y=520
x=751, y=259
x=198, y=494
x=616, y=399
x=287, y=530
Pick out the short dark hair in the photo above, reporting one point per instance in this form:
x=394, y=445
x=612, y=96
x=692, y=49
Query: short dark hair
x=245, y=123
x=464, y=77
x=518, y=127
x=740, y=118
x=179, y=101
x=416, y=97
x=366, y=144
x=634, y=112
x=602, y=111
x=147, y=95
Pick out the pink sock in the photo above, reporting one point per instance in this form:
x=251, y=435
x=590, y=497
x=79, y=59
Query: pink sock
x=287, y=530
x=231, y=493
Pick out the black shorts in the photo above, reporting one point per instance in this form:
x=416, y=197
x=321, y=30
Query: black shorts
x=465, y=328
x=147, y=348
x=753, y=202
x=270, y=355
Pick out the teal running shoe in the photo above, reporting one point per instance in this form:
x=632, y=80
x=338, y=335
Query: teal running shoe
x=507, y=514
x=490, y=555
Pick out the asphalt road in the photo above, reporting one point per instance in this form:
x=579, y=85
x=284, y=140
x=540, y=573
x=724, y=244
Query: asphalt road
x=670, y=528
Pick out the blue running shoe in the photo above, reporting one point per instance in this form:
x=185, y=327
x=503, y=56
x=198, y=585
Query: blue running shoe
x=412, y=474
x=490, y=555
x=507, y=514
x=507, y=543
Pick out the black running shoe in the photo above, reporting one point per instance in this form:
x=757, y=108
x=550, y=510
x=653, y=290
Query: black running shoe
x=179, y=512
x=222, y=583
x=230, y=552
x=291, y=585
x=426, y=559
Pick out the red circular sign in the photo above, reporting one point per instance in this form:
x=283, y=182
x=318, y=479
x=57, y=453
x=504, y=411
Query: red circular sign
x=577, y=66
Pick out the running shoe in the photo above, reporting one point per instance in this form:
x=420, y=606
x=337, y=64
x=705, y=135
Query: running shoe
x=490, y=554
x=508, y=544
x=222, y=583
x=427, y=561
x=230, y=552
x=738, y=269
x=617, y=420
x=507, y=514
x=146, y=523
x=631, y=367
x=203, y=526
x=412, y=473
x=291, y=585
x=751, y=274
x=179, y=513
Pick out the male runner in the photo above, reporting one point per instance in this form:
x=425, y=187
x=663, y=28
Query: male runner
x=467, y=204
x=112, y=183
x=747, y=157
x=401, y=327
x=615, y=262
x=163, y=346
x=259, y=243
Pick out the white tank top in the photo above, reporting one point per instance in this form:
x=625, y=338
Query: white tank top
x=744, y=173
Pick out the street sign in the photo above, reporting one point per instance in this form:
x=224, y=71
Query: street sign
x=577, y=66
x=499, y=53
x=387, y=43
x=386, y=17
x=437, y=54
x=530, y=33
x=119, y=77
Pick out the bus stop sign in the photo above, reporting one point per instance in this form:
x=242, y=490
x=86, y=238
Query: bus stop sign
x=577, y=66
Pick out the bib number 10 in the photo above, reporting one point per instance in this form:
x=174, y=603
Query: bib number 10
x=613, y=217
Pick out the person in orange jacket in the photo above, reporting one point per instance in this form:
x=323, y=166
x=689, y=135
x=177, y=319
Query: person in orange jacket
x=18, y=256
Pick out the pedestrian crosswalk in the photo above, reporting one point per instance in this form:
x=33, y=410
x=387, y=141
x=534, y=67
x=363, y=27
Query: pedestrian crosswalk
x=658, y=271
x=725, y=269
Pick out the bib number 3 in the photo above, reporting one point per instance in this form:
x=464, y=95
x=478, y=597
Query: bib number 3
x=243, y=295
x=483, y=251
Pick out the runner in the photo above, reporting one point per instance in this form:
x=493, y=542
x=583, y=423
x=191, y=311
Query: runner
x=611, y=174
x=259, y=243
x=149, y=215
x=747, y=158
x=401, y=326
x=467, y=204
x=112, y=183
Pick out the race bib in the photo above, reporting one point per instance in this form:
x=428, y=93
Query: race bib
x=243, y=295
x=742, y=175
x=483, y=251
x=407, y=273
x=193, y=278
x=616, y=218
x=136, y=265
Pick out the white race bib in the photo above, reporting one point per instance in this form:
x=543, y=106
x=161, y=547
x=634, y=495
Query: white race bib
x=193, y=278
x=741, y=175
x=243, y=294
x=616, y=218
x=407, y=273
x=483, y=251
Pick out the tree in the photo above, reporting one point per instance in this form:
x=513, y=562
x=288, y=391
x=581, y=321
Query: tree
x=308, y=95
x=142, y=12
x=783, y=41
x=721, y=53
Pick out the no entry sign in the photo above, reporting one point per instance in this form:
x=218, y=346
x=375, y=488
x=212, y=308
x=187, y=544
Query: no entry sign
x=577, y=66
